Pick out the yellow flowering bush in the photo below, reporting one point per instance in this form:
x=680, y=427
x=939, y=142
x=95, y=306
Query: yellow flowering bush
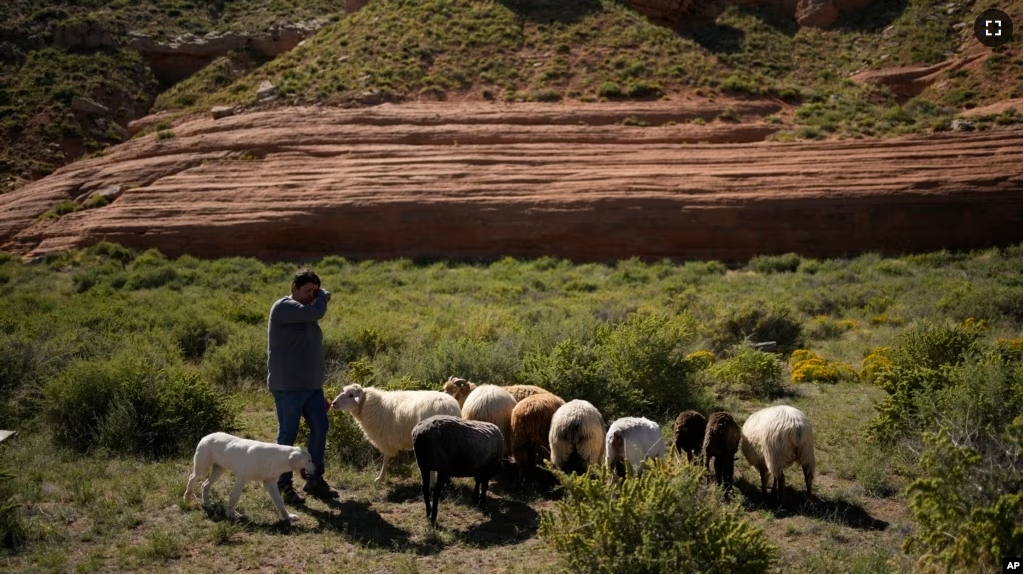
x=1009, y=349
x=877, y=362
x=806, y=366
x=701, y=360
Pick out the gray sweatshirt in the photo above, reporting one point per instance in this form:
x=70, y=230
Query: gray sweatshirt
x=295, y=349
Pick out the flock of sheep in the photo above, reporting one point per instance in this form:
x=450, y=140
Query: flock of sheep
x=468, y=429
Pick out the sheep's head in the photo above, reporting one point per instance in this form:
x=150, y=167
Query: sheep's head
x=350, y=399
x=458, y=388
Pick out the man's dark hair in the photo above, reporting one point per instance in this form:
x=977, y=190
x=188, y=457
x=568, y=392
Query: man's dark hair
x=305, y=277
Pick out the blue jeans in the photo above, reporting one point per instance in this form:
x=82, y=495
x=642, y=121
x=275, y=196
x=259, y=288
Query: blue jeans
x=311, y=406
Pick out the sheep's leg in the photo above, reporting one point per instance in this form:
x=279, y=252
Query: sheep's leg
x=764, y=480
x=808, y=478
x=781, y=487
x=427, y=477
x=442, y=480
x=730, y=471
x=383, y=469
x=433, y=478
x=483, y=494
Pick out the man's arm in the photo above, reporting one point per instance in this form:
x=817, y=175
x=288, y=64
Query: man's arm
x=291, y=311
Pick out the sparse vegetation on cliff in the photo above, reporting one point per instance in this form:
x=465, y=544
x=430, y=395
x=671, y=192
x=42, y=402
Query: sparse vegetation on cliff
x=580, y=50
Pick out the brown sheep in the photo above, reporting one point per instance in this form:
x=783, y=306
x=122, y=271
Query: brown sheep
x=689, y=433
x=531, y=423
x=460, y=389
x=721, y=440
x=521, y=392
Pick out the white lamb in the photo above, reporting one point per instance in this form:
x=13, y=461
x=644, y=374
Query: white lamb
x=492, y=404
x=772, y=440
x=576, y=437
x=631, y=440
x=387, y=417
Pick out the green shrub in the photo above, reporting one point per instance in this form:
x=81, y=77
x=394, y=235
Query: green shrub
x=17, y=362
x=240, y=362
x=12, y=528
x=749, y=373
x=668, y=520
x=609, y=90
x=923, y=362
x=572, y=370
x=825, y=327
x=495, y=362
x=364, y=342
x=955, y=404
x=967, y=504
x=133, y=405
x=152, y=277
x=195, y=334
x=641, y=354
x=757, y=322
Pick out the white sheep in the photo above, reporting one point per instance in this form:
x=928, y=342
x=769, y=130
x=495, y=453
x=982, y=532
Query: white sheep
x=772, y=440
x=631, y=440
x=387, y=417
x=492, y=404
x=576, y=437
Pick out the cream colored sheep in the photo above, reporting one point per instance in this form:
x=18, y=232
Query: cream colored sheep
x=387, y=417
x=492, y=404
x=576, y=438
x=772, y=440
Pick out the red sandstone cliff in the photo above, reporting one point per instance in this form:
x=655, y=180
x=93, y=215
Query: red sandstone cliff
x=526, y=180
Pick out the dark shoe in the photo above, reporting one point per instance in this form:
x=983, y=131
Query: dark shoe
x=317, y=487
x=291, y=497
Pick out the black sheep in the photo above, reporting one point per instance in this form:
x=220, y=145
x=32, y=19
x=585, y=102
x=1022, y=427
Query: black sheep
x=455, y=447
x=689, y=433
x=721, y=440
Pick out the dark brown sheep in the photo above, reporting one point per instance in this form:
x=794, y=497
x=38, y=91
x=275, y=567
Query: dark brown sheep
x=721, y=440
x=531, y=423
x=689, y=433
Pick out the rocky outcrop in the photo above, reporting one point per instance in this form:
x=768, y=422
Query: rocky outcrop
x=178, y=58
x=910, y=81
x=488, y=180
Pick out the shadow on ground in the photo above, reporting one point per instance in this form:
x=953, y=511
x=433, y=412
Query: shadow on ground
x=795, y=502
x=358, y=522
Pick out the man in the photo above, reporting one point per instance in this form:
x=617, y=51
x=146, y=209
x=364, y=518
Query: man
x=295, y=375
